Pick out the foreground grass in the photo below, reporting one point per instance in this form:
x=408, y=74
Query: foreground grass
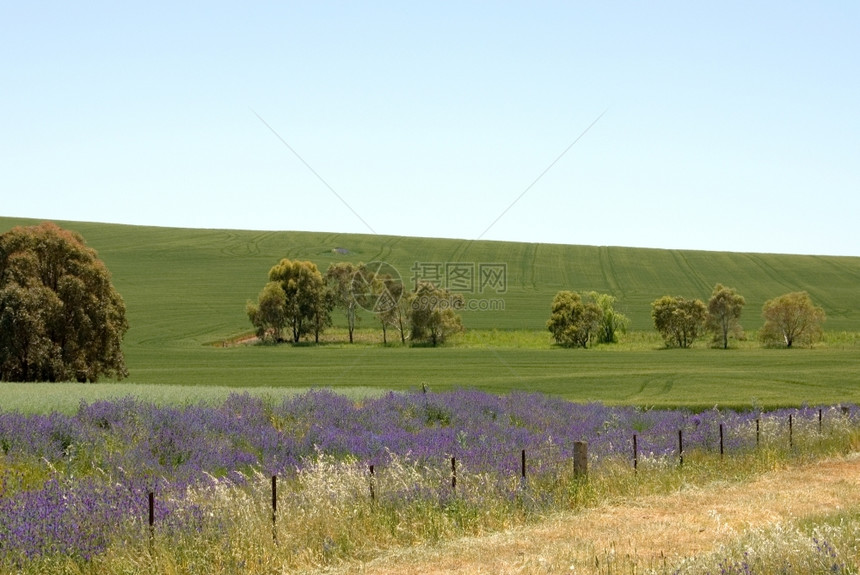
x=794, y=520
x=328, y=522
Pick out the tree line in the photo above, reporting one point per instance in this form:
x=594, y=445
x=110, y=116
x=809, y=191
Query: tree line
x=791, y=319
x=299, y=299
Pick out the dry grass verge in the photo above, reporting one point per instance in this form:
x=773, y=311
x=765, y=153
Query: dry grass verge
x=643, y=533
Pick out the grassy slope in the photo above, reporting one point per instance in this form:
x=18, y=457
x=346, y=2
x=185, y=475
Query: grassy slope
x=185, y=288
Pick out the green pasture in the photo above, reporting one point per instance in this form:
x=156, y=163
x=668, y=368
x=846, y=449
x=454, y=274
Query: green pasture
x=696, y=378
x=185, y=291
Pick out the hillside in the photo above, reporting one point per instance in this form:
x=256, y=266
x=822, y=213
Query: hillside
x=186, y=289
x=190, y=286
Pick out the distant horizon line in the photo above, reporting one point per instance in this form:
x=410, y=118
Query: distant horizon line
x=444, y=238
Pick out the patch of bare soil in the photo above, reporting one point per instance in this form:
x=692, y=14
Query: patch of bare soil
x=651, y=528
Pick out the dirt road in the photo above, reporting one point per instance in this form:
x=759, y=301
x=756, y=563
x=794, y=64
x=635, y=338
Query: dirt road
x=650, y=528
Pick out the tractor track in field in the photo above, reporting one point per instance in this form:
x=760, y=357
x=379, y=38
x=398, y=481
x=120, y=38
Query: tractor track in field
x=769, y=272
x=608, y=271
x=461, y=250
x=690, y=272
x=383, y=251
x=243, y=245
x=650, y=529
x=529, y=266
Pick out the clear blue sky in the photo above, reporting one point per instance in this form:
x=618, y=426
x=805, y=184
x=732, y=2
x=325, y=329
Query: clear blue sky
x=726, y=126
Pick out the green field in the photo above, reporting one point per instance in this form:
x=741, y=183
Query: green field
x=186, y=290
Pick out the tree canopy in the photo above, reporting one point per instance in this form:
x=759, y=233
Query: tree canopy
x=340, y=280
x=304, y=308
x=432, y=313
x=724, y=312
x=300, y=299
x=381, y=292
x=680, y=321
x=574, y=321
x=269, y=314
x=611, y=322
x=60, y=317
x=394, y=312
x=791, y=319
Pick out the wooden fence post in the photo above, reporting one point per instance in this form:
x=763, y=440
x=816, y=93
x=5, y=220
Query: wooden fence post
x=151, y=498
x=580, y=459
x=274, y=507
x=757, y=431
x=680, y=447
x=372, y=490
x=721, y=441
x=635, y=455
x=453, y=473
x=791, y=430
x=523, y=465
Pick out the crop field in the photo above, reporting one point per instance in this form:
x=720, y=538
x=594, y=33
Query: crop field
x=186, y=290
x=697, y=379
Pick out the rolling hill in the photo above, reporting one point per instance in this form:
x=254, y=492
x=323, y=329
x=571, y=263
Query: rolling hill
x=189, y=285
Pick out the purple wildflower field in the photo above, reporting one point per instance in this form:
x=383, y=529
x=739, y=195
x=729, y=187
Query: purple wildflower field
x=69, y=483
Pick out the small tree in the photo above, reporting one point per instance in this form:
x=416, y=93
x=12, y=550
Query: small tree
x=611, y=322
x=724, y=312
x=680, y=321
x=433, y=313
x=340, y=279
x=573, y=322
x=791, y=319
x=321, y=312
x=307, y=308
x=60, y=317
x=390, y=306
x=269, y=313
